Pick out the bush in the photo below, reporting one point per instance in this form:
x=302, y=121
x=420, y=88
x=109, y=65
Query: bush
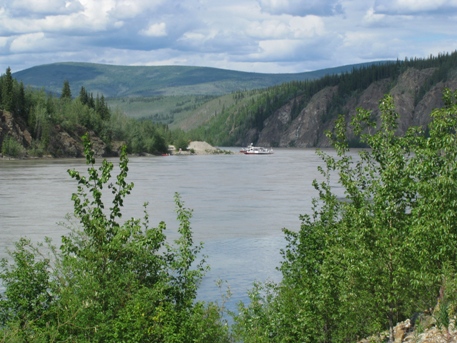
x=386, y=249
x=11, y=147
x=109, y=281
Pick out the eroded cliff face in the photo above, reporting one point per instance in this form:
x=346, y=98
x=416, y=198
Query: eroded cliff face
x=15, y=128
x=308, y=128
x=69, y=144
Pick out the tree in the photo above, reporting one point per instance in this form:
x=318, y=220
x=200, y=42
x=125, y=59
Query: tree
x=102, y=108
x=66, y=91
x=109, y=281
x=7, y=91
x=377, y=251
x=21, y=104
x=83, y=96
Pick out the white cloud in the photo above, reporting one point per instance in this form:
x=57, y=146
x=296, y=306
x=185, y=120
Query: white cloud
x=371, y=17
x=194, y=38
x=268, y=29
x=3, y=42
x=294, y=27
x=128, y=9
x=155, y=30
x=75, y=24
x=34, y=42
x=309, y=26
x=279, y=50
x=96, y=13
x=203, y=42
x=37, y=19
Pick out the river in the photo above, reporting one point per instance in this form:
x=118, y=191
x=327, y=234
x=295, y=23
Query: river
x=240, y=204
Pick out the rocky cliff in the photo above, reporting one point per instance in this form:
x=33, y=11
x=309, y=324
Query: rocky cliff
x=14, y=128
x=62, y=143
x=308, y=128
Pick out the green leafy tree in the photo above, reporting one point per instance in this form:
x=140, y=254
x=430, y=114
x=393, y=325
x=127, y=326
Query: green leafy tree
x=28, y=292
x=40, y=120
x=377, y=251
x=435, y=224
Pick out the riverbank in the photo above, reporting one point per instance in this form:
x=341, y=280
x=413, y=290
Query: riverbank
x=194, y=148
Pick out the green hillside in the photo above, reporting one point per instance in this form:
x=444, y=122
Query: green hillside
x=146, y=81
x=241, y=117
x=160, y=109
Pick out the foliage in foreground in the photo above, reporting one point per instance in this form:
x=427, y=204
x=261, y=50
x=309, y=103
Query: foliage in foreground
x=109, y=281
x=379, y=247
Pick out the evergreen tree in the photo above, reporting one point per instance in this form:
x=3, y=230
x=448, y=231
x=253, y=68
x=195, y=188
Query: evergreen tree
x=7, y=91
x=83, y=96
x=21, y=105
x=66, y=91
x=102, y=108
x=91, y=101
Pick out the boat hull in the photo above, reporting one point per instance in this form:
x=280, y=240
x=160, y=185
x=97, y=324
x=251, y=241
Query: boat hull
x=258, y=153
x=256, y=150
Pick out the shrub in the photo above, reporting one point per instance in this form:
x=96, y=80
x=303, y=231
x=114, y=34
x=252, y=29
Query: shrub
x=11, y=147
x=376, y=254
x=109, y=281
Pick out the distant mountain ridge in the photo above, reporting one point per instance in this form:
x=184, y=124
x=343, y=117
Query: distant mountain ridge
x=145, y=81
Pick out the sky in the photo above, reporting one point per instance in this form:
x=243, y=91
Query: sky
x=265, y=36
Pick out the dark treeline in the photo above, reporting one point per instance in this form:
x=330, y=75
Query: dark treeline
x=12, y=96
x=233, y=124
x=42, y=114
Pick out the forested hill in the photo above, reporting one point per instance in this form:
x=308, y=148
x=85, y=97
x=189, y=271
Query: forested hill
x=34, y=123
x=298, y=114
x=134, y=81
